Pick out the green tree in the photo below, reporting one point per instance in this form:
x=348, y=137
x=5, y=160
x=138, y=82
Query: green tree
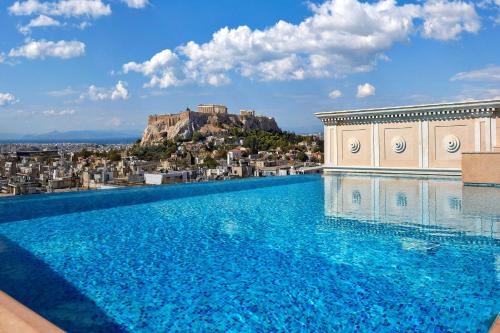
x=221, y=153
x=114, y=156
x=197, y=137
x=301, y=156
x=252, y=143
x=210, y=163
x=154, y=152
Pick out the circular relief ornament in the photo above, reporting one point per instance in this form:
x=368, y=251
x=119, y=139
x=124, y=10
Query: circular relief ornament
x=451, y=143
x=354, y=145
x=398, y=144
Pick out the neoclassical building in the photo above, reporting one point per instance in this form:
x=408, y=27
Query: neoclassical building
x=421, y=139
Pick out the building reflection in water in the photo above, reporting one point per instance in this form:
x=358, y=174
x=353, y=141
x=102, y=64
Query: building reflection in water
x=440, y=207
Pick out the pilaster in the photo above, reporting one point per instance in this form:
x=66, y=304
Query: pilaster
x=375, y=145
x=423, y=143
x=334, y=148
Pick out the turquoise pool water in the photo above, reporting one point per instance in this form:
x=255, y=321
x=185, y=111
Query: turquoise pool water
x=302, y=253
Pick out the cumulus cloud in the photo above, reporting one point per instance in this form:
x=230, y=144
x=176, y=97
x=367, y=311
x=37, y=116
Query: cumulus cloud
x=59, y=113
x=136, y=3
x=446, y=20
x=164, y=69
x=2, y=57
x=84, y=25
x=217, y=79
x=339, y=38
x=42, y=49
x=488, y=3
x=96, y=94
x=488, y=74
x=7, y=99
x=365, y=90
x=119, y=91
x=40, y=21
x=68, y=8
x=334, y=94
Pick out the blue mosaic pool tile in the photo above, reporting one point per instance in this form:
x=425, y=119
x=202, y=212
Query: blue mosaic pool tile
x=265, y=259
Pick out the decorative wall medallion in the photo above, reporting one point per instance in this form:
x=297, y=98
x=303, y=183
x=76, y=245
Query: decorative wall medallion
x=398, y=144
x=451, y=143
x=354, y=145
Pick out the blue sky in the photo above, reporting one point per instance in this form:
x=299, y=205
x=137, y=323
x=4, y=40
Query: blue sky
x=107, y=64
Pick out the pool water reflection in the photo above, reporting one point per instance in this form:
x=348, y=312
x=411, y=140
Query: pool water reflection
x=436, y=205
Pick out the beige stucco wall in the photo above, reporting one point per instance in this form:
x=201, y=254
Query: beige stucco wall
x=407, y=158
x=345, y=156
x=497, y=131
x=464, y=130
x=428, y=144
x=481, y=168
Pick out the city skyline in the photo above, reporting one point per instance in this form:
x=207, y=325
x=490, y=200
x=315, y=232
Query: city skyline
x=106, y=65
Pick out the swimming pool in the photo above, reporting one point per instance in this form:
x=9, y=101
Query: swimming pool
x=301, y=253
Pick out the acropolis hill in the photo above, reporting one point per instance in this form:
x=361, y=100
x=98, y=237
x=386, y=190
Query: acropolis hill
x=209, y=118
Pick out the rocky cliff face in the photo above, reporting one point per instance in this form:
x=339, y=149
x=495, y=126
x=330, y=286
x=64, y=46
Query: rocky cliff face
x=160, y=128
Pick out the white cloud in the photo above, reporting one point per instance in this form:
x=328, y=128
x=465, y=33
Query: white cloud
x=446, y=20
x=2, y=57
x=488, y=3
x=100, y=94
x=96, y=94
x=120, y=91
x=217, y=79
x=59, y=113
x=7, y=99
x=488, y=74
x=334, y=94
x=42, y=49
x=84, y=25
x=341, y=37
x=162, y=68
x=40, y=21
x=365, y=90
x=136, y=3
x=68, y=8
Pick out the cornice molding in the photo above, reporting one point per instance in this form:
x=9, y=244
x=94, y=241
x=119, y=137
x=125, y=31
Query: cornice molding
x=447, y=111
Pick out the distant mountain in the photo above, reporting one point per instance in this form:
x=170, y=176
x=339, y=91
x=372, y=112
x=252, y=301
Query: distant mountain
x=78, y=136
